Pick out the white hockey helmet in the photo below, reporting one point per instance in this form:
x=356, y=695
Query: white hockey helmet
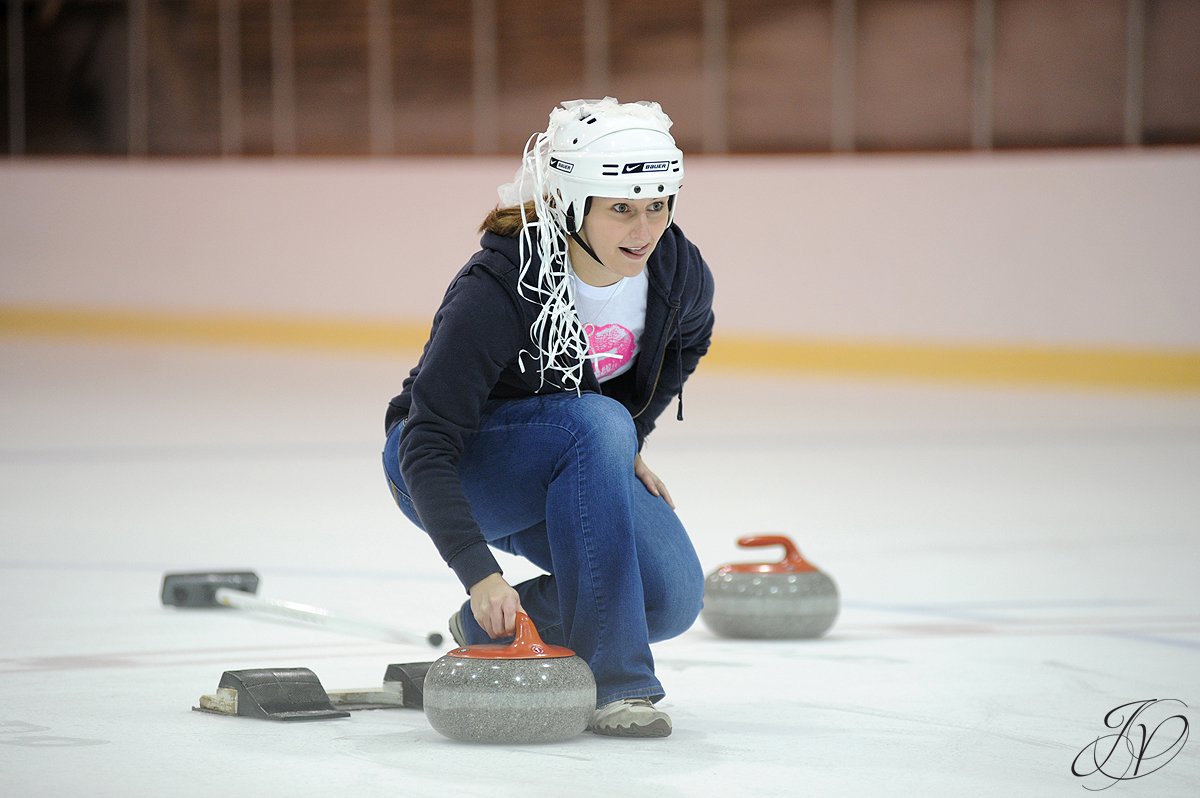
x=607, y=149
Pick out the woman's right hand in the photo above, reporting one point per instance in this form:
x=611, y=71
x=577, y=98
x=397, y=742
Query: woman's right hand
x=495, y=605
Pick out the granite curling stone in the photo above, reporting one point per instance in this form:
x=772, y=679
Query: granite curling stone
x=779, y=600
x=525, y=692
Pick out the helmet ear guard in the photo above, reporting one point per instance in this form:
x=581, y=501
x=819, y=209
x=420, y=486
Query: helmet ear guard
x=573, y=225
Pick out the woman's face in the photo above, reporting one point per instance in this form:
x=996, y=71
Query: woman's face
x=623, y=233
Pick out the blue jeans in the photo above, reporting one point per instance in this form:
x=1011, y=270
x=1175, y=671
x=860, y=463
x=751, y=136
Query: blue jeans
x=550, y=479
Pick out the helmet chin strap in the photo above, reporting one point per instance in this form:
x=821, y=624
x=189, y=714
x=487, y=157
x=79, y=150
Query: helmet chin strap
x=591, y=252
x=578, y=239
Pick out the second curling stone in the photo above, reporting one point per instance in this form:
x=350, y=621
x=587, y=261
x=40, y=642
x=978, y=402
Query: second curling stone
x=788, y=599
x=526, y=692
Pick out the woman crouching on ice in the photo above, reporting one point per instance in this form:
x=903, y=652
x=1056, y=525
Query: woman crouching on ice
x=552, y=355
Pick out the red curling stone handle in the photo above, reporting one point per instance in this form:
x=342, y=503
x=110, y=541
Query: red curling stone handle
x=792, y=559
x=526, y=644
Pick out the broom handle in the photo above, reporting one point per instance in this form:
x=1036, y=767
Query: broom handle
x=316, y=616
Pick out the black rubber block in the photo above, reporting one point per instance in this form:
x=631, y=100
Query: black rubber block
x=280, y=694
x=411, y=676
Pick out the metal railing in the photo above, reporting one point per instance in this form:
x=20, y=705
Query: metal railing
x=485, y=89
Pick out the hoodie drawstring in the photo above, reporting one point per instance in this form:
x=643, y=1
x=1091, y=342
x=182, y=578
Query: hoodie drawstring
x=679, y=338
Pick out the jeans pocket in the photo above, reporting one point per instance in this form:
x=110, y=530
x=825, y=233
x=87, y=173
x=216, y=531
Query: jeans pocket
x=402, y=499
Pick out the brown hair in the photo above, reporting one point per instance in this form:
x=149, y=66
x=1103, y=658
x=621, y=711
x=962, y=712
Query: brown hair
x=507, y=221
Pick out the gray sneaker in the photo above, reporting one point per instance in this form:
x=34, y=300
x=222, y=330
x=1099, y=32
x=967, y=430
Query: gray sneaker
x=630, y=717
x=456, y=630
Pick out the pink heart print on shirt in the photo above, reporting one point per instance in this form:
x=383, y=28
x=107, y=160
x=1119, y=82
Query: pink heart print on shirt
x=610, y=338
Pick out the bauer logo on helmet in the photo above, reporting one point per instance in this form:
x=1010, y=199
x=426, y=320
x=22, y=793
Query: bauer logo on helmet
x=646, y=166
x=561, y=165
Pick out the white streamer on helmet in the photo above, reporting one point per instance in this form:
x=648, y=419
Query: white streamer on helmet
x=591, y=148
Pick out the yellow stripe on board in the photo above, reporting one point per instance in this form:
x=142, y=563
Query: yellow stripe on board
x=228, y=329
x=1146, y=370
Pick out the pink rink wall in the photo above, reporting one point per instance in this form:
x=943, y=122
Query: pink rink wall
x=1062, y=249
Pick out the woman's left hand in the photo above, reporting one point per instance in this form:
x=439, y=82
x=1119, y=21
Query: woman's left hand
x=651, y=480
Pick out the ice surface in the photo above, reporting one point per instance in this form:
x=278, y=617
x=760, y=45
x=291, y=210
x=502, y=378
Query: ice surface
x=1013, y=564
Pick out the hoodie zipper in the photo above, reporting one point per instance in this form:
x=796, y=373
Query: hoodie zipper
x=662, y=359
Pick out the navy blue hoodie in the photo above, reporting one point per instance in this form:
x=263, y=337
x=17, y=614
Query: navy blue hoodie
x=472, y=357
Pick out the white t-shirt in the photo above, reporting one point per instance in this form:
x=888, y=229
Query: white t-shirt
x=614, y=318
